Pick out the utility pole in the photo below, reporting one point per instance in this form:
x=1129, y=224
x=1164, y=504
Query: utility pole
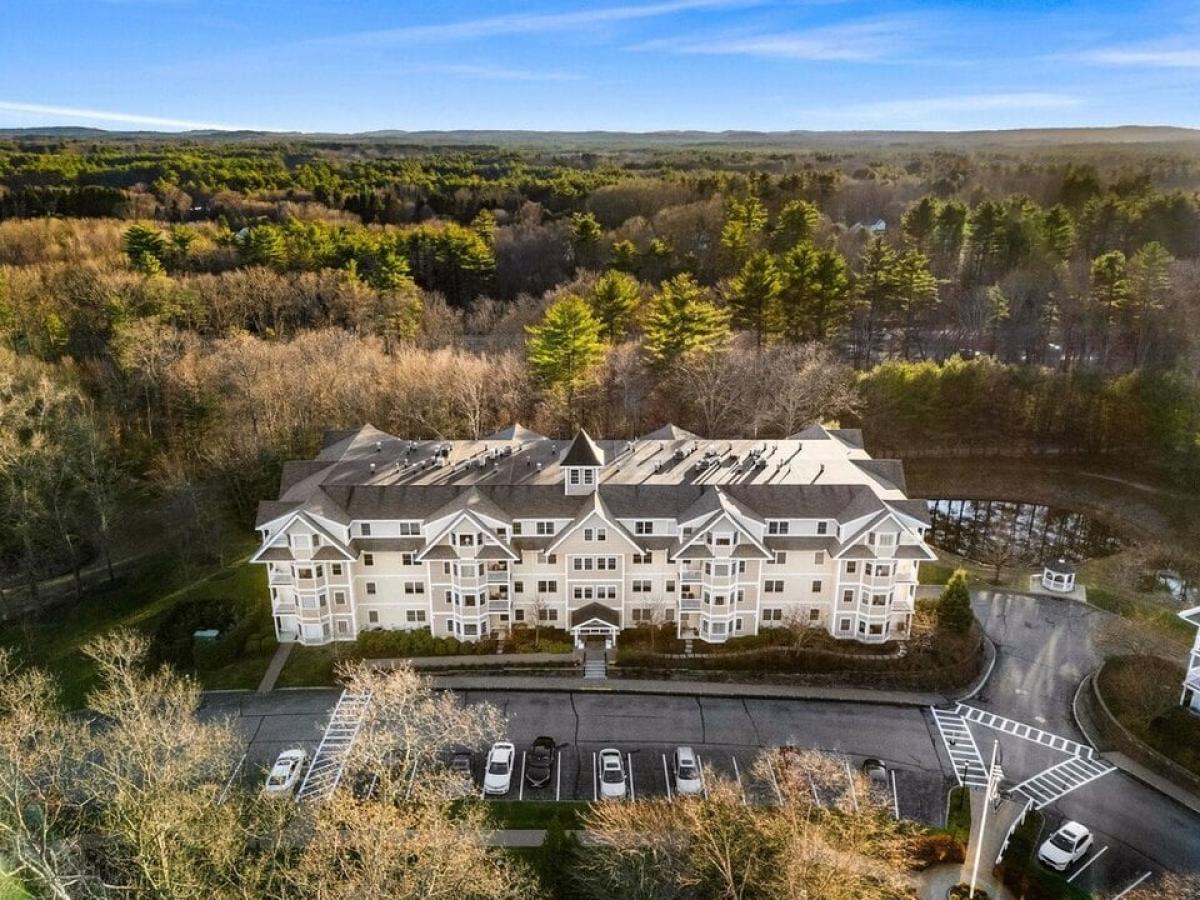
x=993, y=787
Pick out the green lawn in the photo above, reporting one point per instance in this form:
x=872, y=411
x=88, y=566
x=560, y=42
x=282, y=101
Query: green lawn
x=958, y=815
x=536, y=814
x=136, y=600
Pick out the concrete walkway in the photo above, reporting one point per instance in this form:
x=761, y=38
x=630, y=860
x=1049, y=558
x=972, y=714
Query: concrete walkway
x=687, y=688
x=282, y=652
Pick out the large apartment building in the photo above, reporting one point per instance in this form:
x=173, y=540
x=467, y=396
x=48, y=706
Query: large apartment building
x=470, y=538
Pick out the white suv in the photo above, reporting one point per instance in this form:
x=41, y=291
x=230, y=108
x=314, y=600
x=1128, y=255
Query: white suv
x=686, y=767
x=1066, y=846
x=612, y=775
x=497, y=776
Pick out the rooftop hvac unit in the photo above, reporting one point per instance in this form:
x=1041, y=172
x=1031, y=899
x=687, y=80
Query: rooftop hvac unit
x=372, y=467
x=378, y=446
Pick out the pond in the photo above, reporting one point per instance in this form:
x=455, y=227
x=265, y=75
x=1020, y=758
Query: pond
x=1028, y=533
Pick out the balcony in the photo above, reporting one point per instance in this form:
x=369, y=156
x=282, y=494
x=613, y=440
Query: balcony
x=499, y=606
x=690, y=576
x=280, y=577
x=689, y=604
x=468, y=581
x=1192, y=679
x=497, y=576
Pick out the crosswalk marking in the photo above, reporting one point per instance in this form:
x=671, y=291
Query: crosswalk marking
x=326, y=770
x=956, y=737
x=1059, y=780
x=1023, y=731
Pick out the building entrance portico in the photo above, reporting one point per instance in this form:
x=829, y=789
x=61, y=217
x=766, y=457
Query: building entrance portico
x=595, y=622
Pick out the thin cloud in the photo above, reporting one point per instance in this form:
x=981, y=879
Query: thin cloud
x=1167, y=59
x=100, y=115
x=525, y=23
x=862, y=41
x=486, y=73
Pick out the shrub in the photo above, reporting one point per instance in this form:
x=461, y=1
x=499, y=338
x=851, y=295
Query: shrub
x=953, y=609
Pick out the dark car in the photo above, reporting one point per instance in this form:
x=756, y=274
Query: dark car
x=462, y=760
x=540, y=762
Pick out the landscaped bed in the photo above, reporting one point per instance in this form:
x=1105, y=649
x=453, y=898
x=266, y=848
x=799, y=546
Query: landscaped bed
x=1142, y=693
x=312, y=666
x=934, y=659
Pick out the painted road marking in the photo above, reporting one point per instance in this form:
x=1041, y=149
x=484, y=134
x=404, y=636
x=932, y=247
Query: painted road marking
x=738, y=776
x=557, y=775
x=667, y=777
x=1059, y=780
x=960, y=745
x=1023, y=731
x=1132, y=886
x=632, y=793
x=521, y=789
x=1095, y=856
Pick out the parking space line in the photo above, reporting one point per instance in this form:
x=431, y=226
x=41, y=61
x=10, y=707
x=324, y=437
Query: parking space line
x=1095, y=856
x=557, y=775
x=667, y=777
x=850, y=781
x=595, y=789
x=632, y=792
x=895, y=795
x=703, y=775
x=521, y=788
x=1132, y=886
x=738, y=776
x=229, y=784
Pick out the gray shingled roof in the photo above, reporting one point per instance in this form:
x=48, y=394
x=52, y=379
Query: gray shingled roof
x=595, y=611
x=583, y=452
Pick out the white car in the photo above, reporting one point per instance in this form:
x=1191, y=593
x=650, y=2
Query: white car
x=612, y=775
x=1066, y=846
x=497, y=776
x=686, y=768
x=285, y=774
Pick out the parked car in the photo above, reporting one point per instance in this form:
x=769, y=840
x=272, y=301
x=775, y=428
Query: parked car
x=685, y=766
x=612, y=775
x=539, y=764
x=497, y=777
x=1066, y=846
x=285, y=774
x=462, y=760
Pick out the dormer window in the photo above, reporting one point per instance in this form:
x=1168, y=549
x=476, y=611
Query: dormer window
x=365, y=529
x=822, y=527
x=778, y=527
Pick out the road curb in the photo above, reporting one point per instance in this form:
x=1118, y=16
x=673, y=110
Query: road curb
x=702, y=690
x=982, y=680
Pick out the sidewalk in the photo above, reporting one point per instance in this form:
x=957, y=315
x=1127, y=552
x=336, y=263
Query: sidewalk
x=278, y=661
x=686, y=688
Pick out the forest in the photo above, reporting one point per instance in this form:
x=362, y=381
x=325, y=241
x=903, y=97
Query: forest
x=178, y=317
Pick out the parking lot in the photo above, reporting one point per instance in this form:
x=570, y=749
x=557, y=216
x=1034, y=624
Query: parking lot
x=727, y=734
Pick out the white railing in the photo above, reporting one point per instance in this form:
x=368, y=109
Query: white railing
x=689, y=604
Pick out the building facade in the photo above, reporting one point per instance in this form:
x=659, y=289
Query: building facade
x=1191, y=679
x=472, y=538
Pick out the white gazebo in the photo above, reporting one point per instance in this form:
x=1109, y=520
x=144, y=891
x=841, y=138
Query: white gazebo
x=1058, y=575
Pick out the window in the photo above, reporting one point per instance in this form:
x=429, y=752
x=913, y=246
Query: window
x=410, y=528
x=772, y=615
x=888, y=539
x=589, y=476
x=773, y=586
x=502, y=532
x=741, y=567
x=883, y=569
x=867, y=568
x=851, y=567
x=445, y=568
x=518, y=587
x=595, y=534
x=643, y=526
x=547, y=587
x=877, y=628
x=336, y=568
x=879, y=599
x=468, y=600
x=718, y=600
x=339, y=597
x=718, y=628
x=670, y=587
x=343, y=627
x=607, y=562
x=414, y=587
x=822, y=528
x=316, y=540
x=643, y=559
x=545, y=528
x=518, y=615
x=606, y=592
x=365, y=529
x=373, y=617
x=370, y=587
x=304, y=573
x=552, y=559
x=582, y=563
x=583, y=593
x=408, y=559
x=816, y=587
x=414, y=615
x=814, y=615
x=470, y=629
x=819, y=557
x=574, y=476
x=844, y=624
x=449, y=596
x=780, y=557
x=548, y=615
x=848, y=596
x=737, y=624
x=466, y=540
x=641, y=586
x=368, y=559
x=516, y=528
x=322, y=600
x=777, y=527
x=739, y=596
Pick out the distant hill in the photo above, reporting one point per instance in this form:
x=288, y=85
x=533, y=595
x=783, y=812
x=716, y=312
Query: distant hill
x=582, y=140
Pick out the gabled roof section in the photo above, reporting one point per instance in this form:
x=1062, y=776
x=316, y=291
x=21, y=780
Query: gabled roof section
x=477, y=502
x=668, y=432
x=1191, y=615
x=851, y=436
x=582, y=452
x=271, y=510
x=595, y=612
x=887, y=473
x=594, y=505
x=334, y=543
x=814, y=432
x=475, y=520
x=515, y=432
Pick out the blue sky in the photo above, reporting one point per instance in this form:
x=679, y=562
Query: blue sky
x=352, y=65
